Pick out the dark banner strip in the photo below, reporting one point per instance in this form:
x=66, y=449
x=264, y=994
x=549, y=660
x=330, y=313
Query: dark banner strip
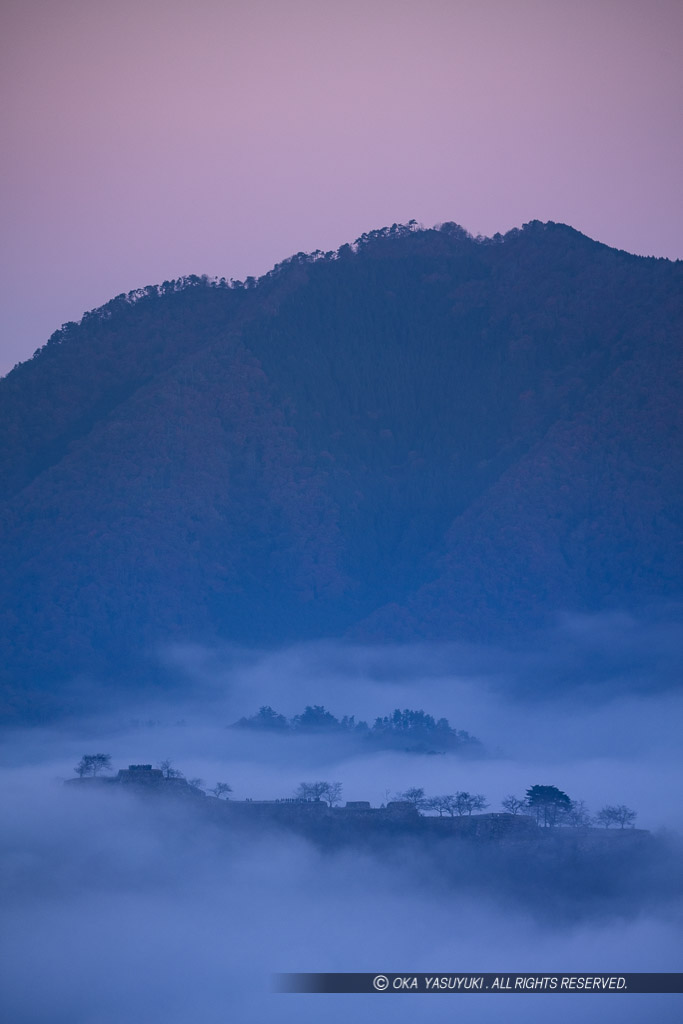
x=492, y=983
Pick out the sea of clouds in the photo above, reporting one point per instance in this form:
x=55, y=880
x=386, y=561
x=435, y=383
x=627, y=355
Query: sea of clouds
x=119, y=911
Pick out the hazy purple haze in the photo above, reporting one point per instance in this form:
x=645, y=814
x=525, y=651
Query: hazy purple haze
x=147, y=140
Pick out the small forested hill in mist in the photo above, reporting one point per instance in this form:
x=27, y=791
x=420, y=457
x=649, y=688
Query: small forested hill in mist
x=421, y=435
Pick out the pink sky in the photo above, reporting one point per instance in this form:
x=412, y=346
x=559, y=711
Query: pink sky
x=149, y=139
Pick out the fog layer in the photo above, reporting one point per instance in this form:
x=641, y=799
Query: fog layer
x=120, y=909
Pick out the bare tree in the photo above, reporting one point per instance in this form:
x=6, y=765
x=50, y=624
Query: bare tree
x=465, y=802
x=334, y=792
x=446, y=804
x=169, y=771
x=415, y=796
x=196, y=783
x=624, y=816
x=93, y=764
x=619, y=814
x=576, y=815
x=437, y=803
x=221, y=789
x=330, y=792
x=450, y=804
x=513, y=804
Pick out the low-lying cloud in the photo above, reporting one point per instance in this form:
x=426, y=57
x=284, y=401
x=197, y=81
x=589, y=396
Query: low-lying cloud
x=121, y=910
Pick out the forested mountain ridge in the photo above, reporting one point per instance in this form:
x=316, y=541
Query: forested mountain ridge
x=422, y=434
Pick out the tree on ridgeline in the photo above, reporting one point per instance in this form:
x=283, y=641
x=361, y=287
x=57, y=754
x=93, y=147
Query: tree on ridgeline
x=465, y=802
x=315, y=719
x=548, y=804
x=513, y=804
x=416, y=797
x=418, y=729
x=221, y=789
x=618, y=814
x=453, y=804
x=410, y=730
x=441, y=804
x=447, y=804
x=333, y=793
x=350, y=725
x=93, y=764
x=577, y=815
x=266, y=718
x=169, y=772
x=329, y=792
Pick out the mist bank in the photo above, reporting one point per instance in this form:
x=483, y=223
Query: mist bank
x=604, y=742
x=591, y=658
x=132, y=911
x=136, y=912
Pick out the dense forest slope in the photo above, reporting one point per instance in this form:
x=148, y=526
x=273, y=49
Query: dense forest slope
x=421, y=435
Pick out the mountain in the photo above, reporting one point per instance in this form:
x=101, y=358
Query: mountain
x=422, y=434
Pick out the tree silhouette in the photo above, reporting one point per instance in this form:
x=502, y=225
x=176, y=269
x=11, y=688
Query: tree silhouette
x=93, y=764
x=221, y=789
x=416, y=797
x=513, y=804
x=441, y=804
x=465, y=802
x=618, y=814
x=169, y=771
x=330, y=792
x=447, y=804
x=333, y=794
x=577, y=815
x=548, y=804
x=315, y=718
x=266, y=718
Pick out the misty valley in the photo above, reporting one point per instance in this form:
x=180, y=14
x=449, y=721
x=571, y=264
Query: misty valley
x=544, y=851
x=341, y=512
x=259, y=533
x=308, y=848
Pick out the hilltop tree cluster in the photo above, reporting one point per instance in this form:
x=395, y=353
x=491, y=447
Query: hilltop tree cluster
x=452, y=804
x=93, y=765
x=407, y=730
x=551, y=807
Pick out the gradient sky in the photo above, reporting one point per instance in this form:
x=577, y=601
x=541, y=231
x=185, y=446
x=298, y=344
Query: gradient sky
x=149, y=139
